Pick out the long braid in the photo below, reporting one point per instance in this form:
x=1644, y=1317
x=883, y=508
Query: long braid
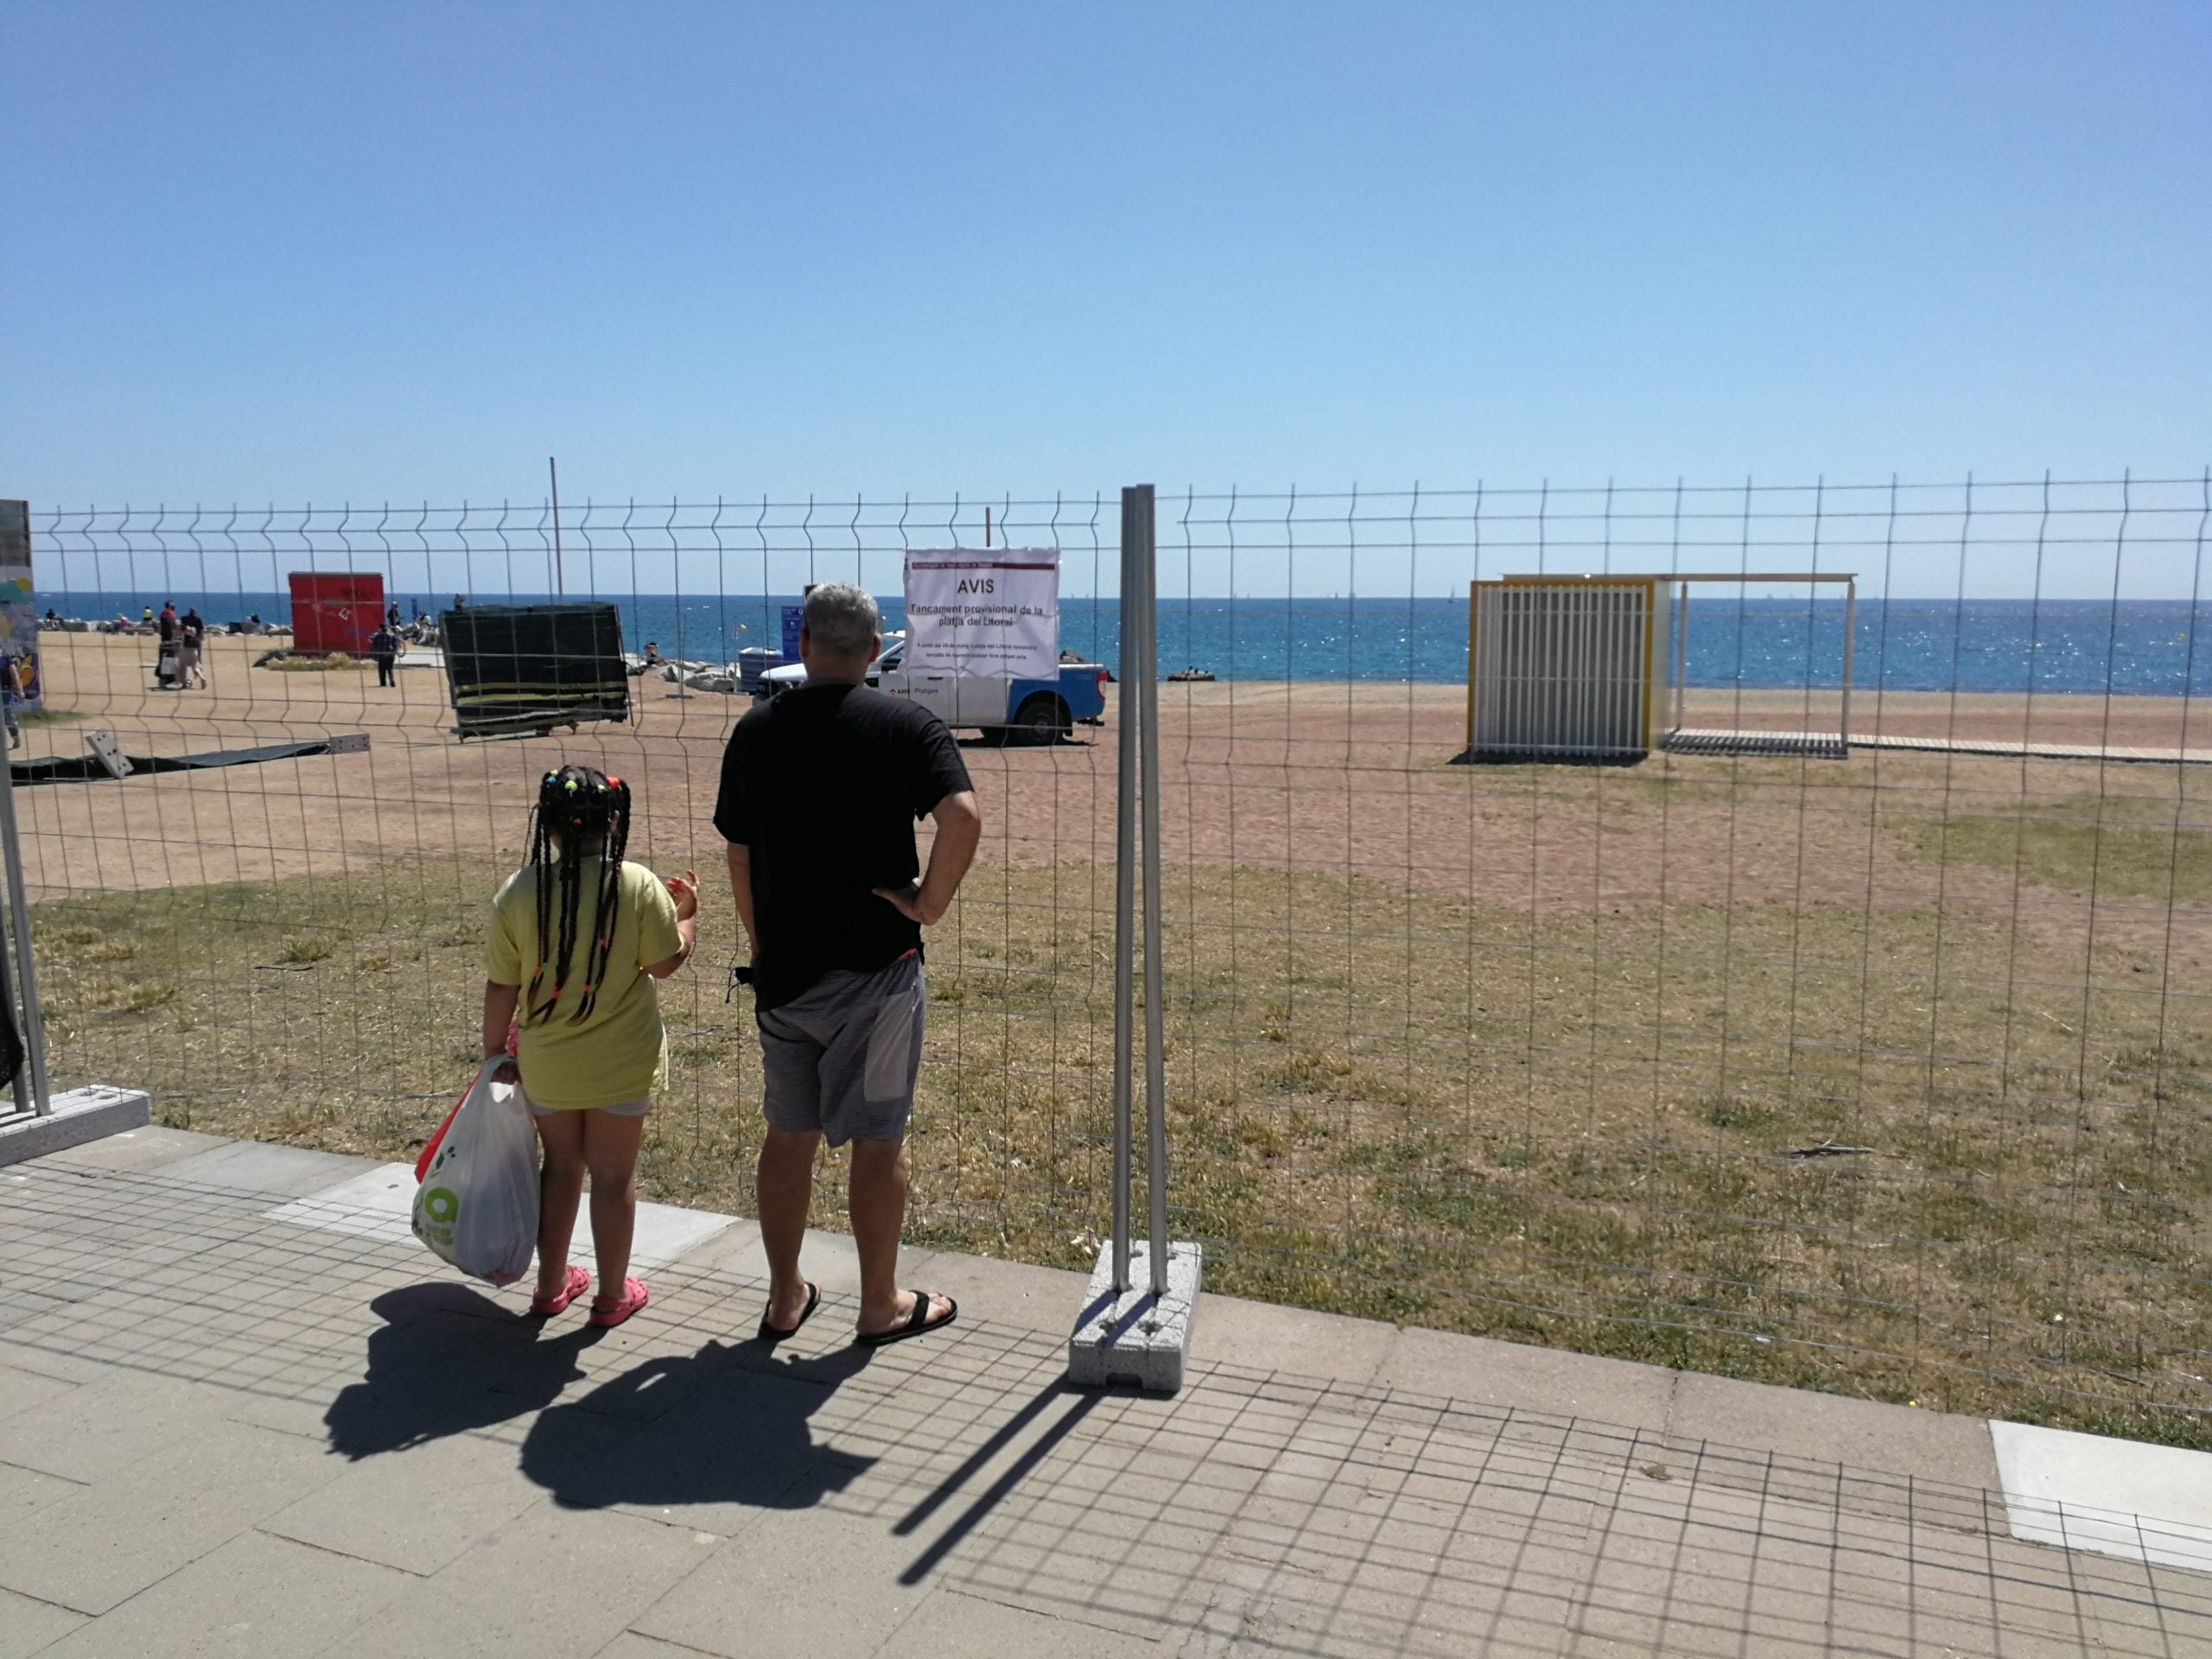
x=538, y=850
x=575, y=805
x=570, y=872
x=601, y=949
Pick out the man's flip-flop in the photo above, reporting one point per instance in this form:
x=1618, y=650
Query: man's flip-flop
x=772, y=1334
x=545, y=1307
x=918, y=1323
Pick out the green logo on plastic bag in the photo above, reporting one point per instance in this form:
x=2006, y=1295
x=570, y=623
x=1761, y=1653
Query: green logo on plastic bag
x=440, y=1205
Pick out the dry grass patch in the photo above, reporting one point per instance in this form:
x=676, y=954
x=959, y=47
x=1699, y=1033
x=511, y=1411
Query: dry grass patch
x=1592, y=1131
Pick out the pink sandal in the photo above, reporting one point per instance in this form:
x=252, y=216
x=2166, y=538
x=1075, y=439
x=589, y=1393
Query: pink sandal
x=610, y=1311
x=545, y=1307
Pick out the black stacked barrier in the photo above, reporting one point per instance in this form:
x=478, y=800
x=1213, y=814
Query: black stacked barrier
x=529, y=668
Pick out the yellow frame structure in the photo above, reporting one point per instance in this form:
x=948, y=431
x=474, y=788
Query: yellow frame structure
x=1652, y=584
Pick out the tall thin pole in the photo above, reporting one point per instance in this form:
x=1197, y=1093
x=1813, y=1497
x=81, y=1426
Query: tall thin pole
x=1850, y=636
x=19, y=915
x=21, y=1082
x=1125, y=870
x=1682, y=652
x=1155, y=1012
x=560, y=578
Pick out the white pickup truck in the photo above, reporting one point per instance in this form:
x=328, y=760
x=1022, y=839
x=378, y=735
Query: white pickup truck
x=1020, y=710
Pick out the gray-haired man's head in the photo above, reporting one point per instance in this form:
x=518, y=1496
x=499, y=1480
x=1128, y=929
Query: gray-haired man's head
x=842, y=620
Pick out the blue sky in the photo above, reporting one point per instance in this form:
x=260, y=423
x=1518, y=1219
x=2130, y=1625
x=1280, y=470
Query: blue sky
x=317, y=253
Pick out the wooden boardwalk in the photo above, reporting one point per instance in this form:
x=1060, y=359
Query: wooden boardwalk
x=1830, y=746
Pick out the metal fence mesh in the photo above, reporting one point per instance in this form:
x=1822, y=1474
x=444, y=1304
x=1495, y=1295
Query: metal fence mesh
x=1886, y=1073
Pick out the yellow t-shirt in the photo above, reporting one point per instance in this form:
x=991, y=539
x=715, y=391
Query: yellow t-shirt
x=619, y=1053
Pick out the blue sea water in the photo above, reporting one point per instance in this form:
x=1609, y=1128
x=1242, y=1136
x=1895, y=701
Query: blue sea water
x=2134, y=648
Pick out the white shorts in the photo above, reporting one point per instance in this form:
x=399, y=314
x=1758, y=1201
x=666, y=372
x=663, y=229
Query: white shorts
x=622, y=1109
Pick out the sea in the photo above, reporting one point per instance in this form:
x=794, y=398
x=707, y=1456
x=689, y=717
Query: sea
x=2132, y=648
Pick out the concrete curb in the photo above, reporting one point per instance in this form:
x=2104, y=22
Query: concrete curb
x=91, y=1113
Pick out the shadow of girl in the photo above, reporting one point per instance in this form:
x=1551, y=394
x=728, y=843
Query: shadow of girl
x=737, y=1433
x=449, y=1360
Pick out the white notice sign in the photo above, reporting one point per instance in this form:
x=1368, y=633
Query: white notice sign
x=987, y=612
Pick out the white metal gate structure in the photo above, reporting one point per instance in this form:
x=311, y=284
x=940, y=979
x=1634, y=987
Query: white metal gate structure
x=1569, y=667
x=1560, y=666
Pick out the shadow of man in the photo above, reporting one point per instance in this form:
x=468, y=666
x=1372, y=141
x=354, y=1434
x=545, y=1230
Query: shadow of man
x=447, y=1361
x=738, y=1434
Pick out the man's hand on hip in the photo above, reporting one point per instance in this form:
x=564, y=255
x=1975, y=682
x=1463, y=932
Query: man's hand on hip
x=908, y=902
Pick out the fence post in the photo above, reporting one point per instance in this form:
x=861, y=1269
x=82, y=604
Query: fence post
x=19, y=1084
x=1124, y=1334
x=19, y=928
x=79, y=1114
x=1125, y=869
x=16, y=555
x=1155, y=1012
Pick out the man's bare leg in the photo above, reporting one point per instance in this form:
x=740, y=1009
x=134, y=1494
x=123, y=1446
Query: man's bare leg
x=876, y=1195
x=783, y=1192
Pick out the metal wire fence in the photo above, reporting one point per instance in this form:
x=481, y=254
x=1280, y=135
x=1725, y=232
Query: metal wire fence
x=1882, y=1070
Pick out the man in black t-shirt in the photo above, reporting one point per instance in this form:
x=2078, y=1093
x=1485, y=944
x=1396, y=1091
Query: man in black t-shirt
x=820, y=788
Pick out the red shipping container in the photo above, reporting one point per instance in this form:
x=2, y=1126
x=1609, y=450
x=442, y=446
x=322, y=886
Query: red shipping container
x=335, y=611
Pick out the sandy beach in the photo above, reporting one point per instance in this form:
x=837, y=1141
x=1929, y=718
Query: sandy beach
x=1354, y=778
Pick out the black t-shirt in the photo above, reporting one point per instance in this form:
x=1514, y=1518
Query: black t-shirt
x=822, y=785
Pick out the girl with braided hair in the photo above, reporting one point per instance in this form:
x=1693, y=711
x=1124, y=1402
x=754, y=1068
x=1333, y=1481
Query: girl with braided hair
x=578, y=937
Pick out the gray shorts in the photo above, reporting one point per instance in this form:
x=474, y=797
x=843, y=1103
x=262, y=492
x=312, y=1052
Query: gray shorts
x=843, y=1057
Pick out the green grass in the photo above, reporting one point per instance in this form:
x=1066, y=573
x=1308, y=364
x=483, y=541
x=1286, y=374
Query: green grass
x=2124, y=846
x=1555, y=1129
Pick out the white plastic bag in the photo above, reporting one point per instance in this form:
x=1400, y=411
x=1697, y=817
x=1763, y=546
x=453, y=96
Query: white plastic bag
x=477, y=1207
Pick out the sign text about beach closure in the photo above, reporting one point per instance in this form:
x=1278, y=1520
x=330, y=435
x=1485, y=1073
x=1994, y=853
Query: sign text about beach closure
x=983, y=612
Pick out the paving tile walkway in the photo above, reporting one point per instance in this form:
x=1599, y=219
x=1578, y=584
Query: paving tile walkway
x=225, y=1430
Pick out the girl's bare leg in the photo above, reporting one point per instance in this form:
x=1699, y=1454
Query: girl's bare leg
x=610, y=1148
x=560, y=1187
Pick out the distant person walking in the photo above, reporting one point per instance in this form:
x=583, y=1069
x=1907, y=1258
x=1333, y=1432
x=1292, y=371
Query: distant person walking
x=820, y=790
x=578, y=936
x=168, y=674
x=191, y=632
x=384, y=652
